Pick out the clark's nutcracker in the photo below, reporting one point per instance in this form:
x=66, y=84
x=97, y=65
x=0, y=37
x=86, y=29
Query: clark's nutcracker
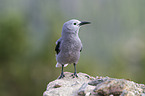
x=69, y=46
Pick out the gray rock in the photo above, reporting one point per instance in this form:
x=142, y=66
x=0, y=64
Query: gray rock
x=69, y=86
x=116, y=87
x=86, y=85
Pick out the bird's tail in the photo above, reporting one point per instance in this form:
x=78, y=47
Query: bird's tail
x=60, y=65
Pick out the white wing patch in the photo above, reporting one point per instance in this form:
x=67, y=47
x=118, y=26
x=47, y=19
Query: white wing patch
x=59, y=65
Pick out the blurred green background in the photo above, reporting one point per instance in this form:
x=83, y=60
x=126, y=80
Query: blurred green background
x=113, y=45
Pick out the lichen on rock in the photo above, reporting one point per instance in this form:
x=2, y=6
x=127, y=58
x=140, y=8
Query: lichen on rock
x=86, y=85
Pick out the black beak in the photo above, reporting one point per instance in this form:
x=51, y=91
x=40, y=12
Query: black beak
x=84, y=22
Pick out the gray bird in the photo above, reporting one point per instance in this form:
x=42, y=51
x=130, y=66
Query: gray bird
x=69, y=46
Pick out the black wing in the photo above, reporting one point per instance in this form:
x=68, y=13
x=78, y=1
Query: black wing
x=57, y=47
x=81, y=49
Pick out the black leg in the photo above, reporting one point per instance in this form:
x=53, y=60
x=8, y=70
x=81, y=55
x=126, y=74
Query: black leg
x=75, y=73
x=61, y=75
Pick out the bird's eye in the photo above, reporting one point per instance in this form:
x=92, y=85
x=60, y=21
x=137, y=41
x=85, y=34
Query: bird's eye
x=75, y=23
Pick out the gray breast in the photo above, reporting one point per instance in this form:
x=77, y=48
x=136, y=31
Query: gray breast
x=70, y=51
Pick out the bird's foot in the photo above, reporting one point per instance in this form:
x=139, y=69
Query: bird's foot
x=61, y=76
x=74, y=75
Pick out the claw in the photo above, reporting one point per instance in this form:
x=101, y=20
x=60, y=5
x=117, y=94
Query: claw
x=74, y=75
x=61, y=76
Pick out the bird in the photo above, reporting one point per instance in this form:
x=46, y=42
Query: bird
x=69, y=45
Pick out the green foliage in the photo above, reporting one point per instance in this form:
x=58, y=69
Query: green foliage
x=12, y=48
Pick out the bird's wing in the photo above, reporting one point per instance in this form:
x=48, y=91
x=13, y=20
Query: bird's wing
x=81, y=48
x=57, y=48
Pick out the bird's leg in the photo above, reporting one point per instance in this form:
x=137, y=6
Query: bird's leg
x=75, y=73
x=61, y=75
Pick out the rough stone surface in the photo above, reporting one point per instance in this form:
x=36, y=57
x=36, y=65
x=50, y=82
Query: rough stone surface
x=86, y=85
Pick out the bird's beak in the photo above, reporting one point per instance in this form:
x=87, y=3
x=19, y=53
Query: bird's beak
x=84, y=22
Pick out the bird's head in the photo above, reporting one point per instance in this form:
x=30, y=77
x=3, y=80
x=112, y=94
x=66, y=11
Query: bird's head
x=72, y=26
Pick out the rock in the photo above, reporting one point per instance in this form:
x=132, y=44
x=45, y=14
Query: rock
x=116, y=87
x=86, y=85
